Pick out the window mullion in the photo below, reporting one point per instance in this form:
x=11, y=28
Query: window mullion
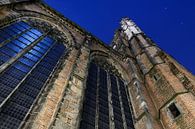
x=109, y=99
x=121, y=104
x=15, y=89
x=116, y=103
x=4, y=66
x=97, y=99
x=111, y=111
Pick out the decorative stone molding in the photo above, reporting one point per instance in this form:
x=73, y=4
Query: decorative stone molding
x=43, y=23
x=69, y=113
x=3, y=2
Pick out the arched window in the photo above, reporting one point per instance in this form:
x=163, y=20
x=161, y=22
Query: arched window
x=28, y=57
x=106, y=104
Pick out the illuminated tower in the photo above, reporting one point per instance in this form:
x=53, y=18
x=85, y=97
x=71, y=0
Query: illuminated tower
x=56, y=75
x=161, y=90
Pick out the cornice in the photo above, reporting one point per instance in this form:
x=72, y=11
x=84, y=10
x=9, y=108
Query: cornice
x=82, y=30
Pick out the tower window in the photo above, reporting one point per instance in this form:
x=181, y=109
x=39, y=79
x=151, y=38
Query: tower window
x=174, y=110
x=156, y=77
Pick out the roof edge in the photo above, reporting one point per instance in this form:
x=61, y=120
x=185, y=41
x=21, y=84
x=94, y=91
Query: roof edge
x=73, y=23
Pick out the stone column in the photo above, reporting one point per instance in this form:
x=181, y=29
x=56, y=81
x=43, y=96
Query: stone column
x=70, y=110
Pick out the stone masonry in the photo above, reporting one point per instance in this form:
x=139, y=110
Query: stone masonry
x=161, y=91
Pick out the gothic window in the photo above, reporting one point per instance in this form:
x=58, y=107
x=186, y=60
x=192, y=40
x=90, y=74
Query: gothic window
x=102, y=88
x=174, y=110
x=23, y=80
x=156, y=77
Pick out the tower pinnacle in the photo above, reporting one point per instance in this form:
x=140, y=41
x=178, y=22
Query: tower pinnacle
x=129, y=27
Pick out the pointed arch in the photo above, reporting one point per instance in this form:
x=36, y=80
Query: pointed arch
x=108, y=61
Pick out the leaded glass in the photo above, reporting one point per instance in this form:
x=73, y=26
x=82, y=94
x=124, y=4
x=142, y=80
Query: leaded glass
x=13, y=47
x=96, y=110
x=18, y=43
x=127, y=112
x=7, y=51
x=89, y=109
x=27, y=76
x=103, y=122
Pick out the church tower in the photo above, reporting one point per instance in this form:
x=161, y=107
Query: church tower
x=161, y=90
x=56, y=75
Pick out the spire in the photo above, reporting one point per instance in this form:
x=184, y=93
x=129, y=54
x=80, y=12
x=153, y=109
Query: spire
x=129, y=27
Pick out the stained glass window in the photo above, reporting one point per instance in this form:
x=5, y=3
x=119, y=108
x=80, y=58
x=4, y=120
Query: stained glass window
x=23, y=81
x=97, y=113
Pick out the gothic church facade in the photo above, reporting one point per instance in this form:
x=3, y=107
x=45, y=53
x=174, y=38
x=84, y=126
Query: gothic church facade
x=56, y=75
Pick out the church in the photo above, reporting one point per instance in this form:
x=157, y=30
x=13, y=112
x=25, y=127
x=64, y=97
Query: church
x=56, y=75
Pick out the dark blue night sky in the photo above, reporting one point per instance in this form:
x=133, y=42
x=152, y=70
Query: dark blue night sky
x=170, y=23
